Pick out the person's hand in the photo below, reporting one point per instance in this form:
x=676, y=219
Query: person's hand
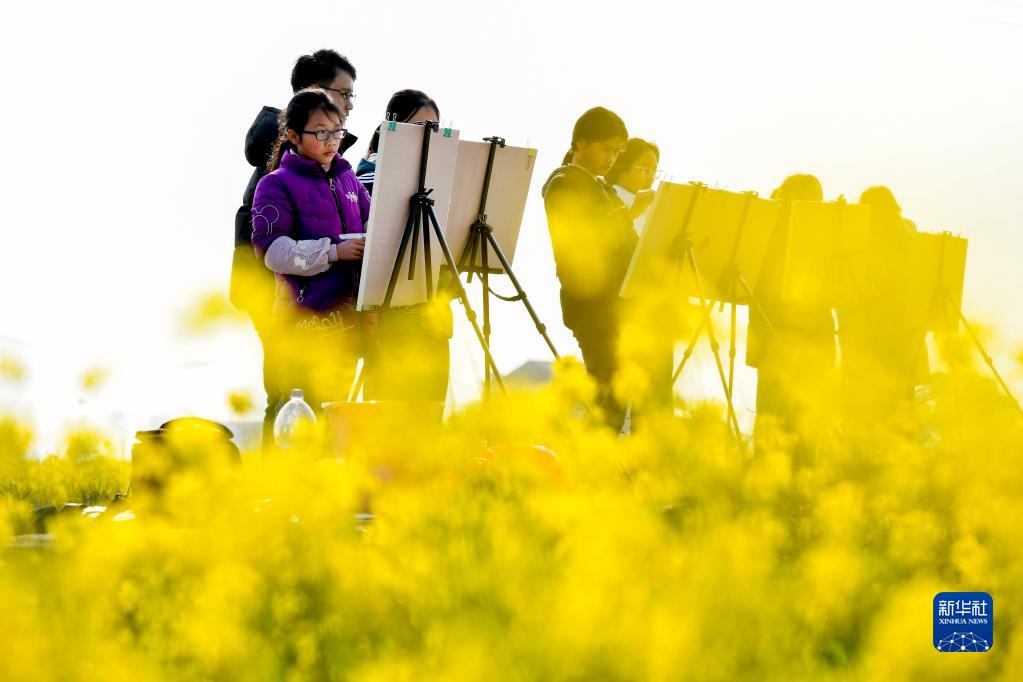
x=351, y=249
x=642, y=201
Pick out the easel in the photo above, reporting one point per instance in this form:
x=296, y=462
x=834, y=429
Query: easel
x=684, y=254
x=942, y=306
x=480, y=235
x=421, y=219
x=734, y=279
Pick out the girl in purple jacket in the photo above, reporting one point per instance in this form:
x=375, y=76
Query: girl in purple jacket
x=304, y=215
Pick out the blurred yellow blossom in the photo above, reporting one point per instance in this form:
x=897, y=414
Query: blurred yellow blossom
x=520, y=540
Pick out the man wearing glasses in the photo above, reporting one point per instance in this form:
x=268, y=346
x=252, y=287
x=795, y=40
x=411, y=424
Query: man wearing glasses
x=252, y=283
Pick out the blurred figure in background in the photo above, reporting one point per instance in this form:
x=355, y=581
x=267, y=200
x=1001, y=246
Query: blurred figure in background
x=794, y=359
x=883, y=358
x=650, y=344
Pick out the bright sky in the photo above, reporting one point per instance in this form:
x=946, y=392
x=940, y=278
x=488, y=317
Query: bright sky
x=126, y=121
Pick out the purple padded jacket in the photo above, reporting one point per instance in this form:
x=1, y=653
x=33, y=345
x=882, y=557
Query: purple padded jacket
x=302, y=201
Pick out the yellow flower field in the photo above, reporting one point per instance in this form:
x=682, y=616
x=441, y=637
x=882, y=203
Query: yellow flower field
x=519, y=543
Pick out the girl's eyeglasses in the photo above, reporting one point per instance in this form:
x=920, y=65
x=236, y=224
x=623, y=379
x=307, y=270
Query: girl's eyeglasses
x=324, y=135
x=655, y=173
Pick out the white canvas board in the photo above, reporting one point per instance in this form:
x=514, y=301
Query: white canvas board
x=827, y=254
x=657, y=254
x=730, y=232
x=397, y=181
x=506, y=198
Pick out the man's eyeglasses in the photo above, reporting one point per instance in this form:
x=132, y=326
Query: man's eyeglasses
x=324, y=135
x=347, y=95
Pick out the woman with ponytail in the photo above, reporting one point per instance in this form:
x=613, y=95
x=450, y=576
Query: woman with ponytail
x=884, y=356
x=791, y=345
x=308, y=215
x=408, y=357
x=593, y=240
x=252, y=284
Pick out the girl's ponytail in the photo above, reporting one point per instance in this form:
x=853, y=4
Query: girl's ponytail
x=568, y=157
x=281, y=147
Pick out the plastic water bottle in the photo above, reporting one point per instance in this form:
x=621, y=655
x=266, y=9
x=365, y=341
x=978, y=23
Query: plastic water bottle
x=293, y=416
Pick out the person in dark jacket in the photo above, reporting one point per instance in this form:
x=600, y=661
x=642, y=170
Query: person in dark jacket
x=884, y=358
x=252, y=284
x=409, y=356
x=593, y=239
